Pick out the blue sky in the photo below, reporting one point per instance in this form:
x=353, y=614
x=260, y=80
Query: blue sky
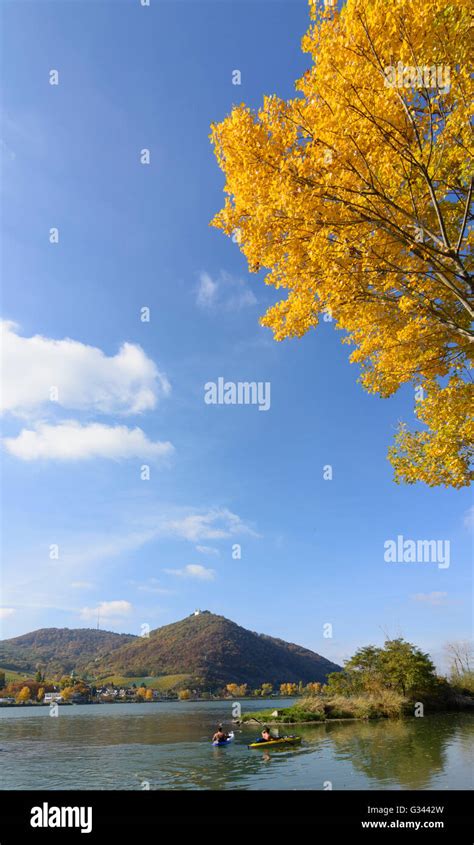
x=132, y=236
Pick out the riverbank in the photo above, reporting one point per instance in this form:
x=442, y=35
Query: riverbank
x=184, y=701
x=385, y=705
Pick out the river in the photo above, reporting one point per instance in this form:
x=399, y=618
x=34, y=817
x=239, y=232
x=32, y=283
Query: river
x=165, y=745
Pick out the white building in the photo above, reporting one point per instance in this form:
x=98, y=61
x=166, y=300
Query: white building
x=49, y=697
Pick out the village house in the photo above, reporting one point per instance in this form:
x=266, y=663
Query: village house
x=49, y=697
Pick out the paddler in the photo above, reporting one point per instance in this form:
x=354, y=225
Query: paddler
x=220, y=735
x=266, y=735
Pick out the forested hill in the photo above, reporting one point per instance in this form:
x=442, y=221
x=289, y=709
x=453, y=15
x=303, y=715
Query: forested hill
x=209, y=649
x=59, y=650
x=216, y=651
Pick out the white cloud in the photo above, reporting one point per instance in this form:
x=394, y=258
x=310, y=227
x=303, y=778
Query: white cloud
x=70, y=441
x=83, y=376
x=124, y=530
x=193, y=570
x=435, y=598
x=216, y=524
x=6, y=612
x=226, y=293
x=107, y=610
x=207, y=291
x=207, y=550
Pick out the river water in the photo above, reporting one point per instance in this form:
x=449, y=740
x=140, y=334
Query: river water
x=165, y=745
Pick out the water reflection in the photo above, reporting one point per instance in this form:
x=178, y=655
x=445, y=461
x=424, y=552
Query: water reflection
x=404, y=753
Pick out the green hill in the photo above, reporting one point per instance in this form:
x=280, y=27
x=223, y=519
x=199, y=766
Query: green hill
x=215, y=651
x=59, y=650
x=206, y=650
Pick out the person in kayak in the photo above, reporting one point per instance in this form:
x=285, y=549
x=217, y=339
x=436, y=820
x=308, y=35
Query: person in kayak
x=266, y=735
x=220, y=735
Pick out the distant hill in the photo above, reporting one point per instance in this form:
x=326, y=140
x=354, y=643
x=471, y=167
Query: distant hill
x=215, y=651
x=209, y=650
x=59, y=650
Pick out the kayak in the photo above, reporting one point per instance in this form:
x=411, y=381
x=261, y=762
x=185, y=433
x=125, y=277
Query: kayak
x=225, y=741
x=281, y=740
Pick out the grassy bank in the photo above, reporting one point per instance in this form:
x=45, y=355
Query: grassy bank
x=386, y=704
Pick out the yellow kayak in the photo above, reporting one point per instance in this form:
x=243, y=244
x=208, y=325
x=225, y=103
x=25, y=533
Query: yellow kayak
x=281, y=740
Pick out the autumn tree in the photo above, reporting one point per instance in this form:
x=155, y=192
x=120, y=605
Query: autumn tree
x=23, y=695
x=82, y=688
x=399, y=666
x=236, y=690
x=15, y=687
x=356, y=195
x=313, y=688
x=67, y=692
x=149, y=695
x=288, y=689
x=406, y=668
x=366, y=668
x=184, y=694
x=2, y=679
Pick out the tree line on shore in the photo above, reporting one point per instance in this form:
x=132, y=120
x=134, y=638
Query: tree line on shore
x=399, y=669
